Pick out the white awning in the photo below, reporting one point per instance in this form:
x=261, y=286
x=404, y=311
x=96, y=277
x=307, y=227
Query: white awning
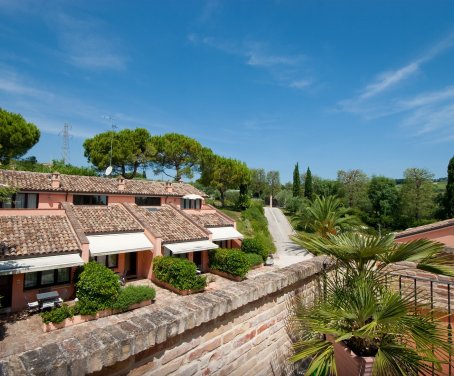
x=187, y=247
x=110, y=244
x=225, y=233
x=193, y=196
x=37, y=264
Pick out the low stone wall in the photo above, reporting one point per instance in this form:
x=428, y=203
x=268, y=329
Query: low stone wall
x=239, y=330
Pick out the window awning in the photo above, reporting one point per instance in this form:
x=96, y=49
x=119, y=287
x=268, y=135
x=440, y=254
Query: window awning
x=37, y=264
x=225, y=233
x=177, y=248
x=111, y=244
x=193, y=196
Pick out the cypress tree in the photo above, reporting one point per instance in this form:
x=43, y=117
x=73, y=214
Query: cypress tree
x=308, y=190
x=449, y=196
x=296, y=181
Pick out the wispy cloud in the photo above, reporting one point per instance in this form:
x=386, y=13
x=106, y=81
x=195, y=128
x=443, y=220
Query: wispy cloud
x=86, y=44
x=13, y=84
x=429, y=114
x=284, y=68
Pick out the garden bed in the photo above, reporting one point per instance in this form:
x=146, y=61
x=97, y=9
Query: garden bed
x=227, y=275
x=168, y=286
x=79, y=319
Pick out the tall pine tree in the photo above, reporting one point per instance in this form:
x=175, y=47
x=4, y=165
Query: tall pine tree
x=449, y=195
x=296, y=181
x=308, y=189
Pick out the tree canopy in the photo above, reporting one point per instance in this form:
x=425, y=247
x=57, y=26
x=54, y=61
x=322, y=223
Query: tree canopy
x=308, y=188
x=131, y=148
x=17, y=136
x=384, y=199
x=273, y=182
x=177, y=152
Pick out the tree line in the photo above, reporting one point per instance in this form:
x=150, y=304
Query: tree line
x=380, y=202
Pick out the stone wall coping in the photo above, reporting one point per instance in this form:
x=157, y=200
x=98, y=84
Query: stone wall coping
x=119, y=337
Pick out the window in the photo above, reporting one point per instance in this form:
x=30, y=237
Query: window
x=111, y=261
x=186, y=203
x=46, y=278
x=148, y=201
x=21, y=201
x=90, y=200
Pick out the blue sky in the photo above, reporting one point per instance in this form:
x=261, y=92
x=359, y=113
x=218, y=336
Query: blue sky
x=330, y=84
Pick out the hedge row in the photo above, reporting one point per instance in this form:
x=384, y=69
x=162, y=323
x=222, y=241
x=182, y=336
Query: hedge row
x=232, y=261
x=254, y=246
x=254, y=259
x=178, y=272
x=99, y=288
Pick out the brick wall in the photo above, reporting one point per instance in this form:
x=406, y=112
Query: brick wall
x=238, y=330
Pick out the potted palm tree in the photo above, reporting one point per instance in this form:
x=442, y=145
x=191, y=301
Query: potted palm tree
x=360, y=326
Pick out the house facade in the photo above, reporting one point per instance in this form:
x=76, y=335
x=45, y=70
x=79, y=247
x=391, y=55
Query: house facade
x=55, y=223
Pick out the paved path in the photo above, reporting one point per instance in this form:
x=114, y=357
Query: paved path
x=287, y=252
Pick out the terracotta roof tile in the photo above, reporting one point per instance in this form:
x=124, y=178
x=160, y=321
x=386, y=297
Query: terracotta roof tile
x=425, y=228
x=104, y=219
x=36, y=235
x=210, y=219
x=169, y=223
x=41, y=182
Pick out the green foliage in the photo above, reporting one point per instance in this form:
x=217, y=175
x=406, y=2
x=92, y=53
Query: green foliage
x=384, y=199
x=98, y=285
x=353, y=187
x=258, y=182
x=254, y=259
x=255, y=245
x=177, y=152
x=223, y=174
x=449, y=194
x=324, y=216
x=243, y=201
x=178, y=272
x=57, y=315
x=308, y=188
x=296, y=187
x=130, y=295
x=231, y=261
x=325, y=187
x=273, y=182
x=16, y=136
x=417, y=196
x=6, y=193
x=87, y=308
x=31, y=164
x=131, y=148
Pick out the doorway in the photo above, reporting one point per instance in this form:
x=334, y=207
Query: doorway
x=6, y=291
x=131, y=264
x=197, y=259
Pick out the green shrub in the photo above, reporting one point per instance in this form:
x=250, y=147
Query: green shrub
x=255, y=245
x=86, y=308
x=178, y=272
x=132, y=295
x=254, y=259
x=231, y=261
x=57, y=315
x=97, y=285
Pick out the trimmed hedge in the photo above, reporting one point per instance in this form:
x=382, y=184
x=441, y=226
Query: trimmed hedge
x=178, y=272
x=58, y=315
x=231, y=261
x=132, y=295
x=254, y=259
x=98, y=285
x=254, y=245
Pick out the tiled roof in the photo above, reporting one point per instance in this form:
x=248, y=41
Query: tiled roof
x=41, y=182
x=168, y=223
x=210, y=219
x=103, y=219
x=35, y=235
x=426, y=228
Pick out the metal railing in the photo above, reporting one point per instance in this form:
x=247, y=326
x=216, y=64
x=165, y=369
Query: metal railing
x=430, y=293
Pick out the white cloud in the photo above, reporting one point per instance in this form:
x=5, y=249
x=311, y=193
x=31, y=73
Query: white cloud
x=86, y=44
x=299, y=84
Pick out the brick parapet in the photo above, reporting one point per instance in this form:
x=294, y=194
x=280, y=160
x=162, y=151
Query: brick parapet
x=145, y=336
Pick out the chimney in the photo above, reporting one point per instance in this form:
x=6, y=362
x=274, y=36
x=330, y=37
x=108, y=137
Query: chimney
x=55, y=180
x=121, y=183
x=169, y=188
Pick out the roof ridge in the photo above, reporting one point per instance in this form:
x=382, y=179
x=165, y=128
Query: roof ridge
x=428, y=227
x=189, y=219
x=74, y=222
x=128, y=207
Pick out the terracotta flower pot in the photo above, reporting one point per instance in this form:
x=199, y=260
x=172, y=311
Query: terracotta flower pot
x=350, y=364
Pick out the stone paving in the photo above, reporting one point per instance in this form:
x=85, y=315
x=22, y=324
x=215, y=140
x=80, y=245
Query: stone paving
x=27, y=333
